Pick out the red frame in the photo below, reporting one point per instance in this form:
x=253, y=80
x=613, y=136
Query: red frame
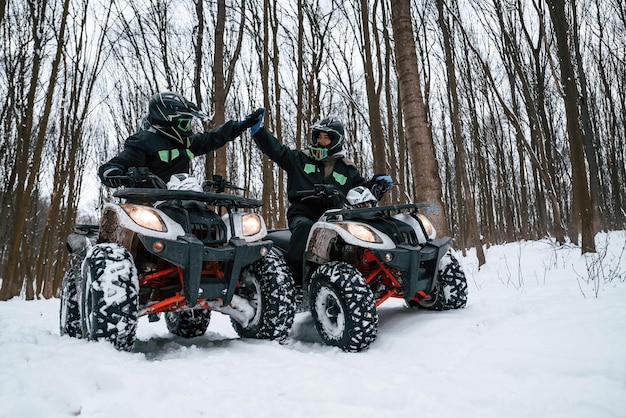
x=388, y=279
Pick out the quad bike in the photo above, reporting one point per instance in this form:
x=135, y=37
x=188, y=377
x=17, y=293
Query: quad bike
x=169, y=252
x=359, y=256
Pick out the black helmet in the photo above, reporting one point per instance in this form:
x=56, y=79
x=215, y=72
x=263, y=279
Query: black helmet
x=334, y=128
x=171, y=114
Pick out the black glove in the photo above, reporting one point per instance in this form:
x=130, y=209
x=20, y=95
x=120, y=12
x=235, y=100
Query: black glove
x=380, y=184
x=384, y=181
x=333, y=199
x=332, y=202
x=109, y=175
x=137, y=176
x=253, y=121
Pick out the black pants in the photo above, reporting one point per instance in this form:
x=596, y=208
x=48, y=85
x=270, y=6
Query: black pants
x=300, y=218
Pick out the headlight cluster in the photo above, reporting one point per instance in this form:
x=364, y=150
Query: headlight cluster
x=428, y=226
x=250, y=224
x=361, y=232
x=145, y=217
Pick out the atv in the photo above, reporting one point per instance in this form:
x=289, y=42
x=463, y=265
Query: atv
x=167, y=250
x=359, y=256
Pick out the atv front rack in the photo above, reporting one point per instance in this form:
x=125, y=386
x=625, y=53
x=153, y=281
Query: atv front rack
x=357, y=213
x=214, y=199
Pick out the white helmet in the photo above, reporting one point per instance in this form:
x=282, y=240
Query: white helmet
x=361, y=197
x=184, y=181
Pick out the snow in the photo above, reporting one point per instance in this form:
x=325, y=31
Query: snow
x=538, y=338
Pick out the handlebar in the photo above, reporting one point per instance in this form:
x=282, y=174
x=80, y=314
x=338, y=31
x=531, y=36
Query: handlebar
x=327, y=195
x=321, y=191
x=218, y=185
x=139, y=176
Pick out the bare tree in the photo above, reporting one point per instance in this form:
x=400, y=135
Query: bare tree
x=582, y=197
x=373, y=89
x=424, y=167
x=12, y=279
x=219, y=88
x=79, y=78
x=467, y=210
x=222, y=78
x=269, y=195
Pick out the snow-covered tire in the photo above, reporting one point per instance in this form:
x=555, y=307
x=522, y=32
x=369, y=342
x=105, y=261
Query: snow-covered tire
x=451, y=289
x=188, y=324
x=69, y=313
x=343, y=307
x=269, y=288
x=109, y=298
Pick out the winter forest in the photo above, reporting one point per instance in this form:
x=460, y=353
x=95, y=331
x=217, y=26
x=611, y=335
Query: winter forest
x=509, y=116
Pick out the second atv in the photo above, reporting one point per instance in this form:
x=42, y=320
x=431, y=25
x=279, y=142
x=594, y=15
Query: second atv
x=358, y=257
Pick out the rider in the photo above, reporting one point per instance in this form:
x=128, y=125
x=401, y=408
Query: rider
x=167, y=144
x=323, y=162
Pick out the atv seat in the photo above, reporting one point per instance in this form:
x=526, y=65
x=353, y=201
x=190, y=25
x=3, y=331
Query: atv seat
x=280, y=237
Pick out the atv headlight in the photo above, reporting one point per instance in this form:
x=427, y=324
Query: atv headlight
x=250, y=224
x=362, y=232
x=430, y=230
x=145, y=217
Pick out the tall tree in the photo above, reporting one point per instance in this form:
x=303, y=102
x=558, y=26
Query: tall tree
x=373, y=91
x=219, y=88
x=279, y=208
x=268, y=173
x=300, y=99
x=12, y=281
x=588, y=129
x=424, y=167
x=467, y=207
x=582, y=198
x=79, y=77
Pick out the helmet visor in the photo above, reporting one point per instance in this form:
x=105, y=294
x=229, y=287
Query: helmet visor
x=184, y=124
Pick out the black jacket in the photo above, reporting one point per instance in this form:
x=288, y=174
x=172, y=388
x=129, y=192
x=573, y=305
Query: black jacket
x=303, y=172
x=165, y=157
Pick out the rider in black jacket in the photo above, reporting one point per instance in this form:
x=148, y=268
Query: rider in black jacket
x=167, y=144
x=323, y=162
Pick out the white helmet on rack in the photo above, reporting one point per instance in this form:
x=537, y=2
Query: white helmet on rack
x=184, y=181
x=361, y=197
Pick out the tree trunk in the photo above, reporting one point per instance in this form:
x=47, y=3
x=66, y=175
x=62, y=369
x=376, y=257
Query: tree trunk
x=268, y=172
x=280, y=211
x=12, y=282
x=219, y=92
x=373, y=96
x=582, y=199
x=424, y=167
x=300, y=81
x=466, y=198
x=587, y=128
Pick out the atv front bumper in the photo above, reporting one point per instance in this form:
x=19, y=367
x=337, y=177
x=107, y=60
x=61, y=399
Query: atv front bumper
x=419, y=265
x=189, y=253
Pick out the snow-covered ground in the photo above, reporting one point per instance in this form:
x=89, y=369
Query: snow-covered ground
x=538, y=338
